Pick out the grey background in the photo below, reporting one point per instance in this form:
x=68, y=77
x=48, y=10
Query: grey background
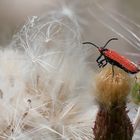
x=13, y=14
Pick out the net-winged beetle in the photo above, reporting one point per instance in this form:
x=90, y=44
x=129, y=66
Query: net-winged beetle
x=114, y=58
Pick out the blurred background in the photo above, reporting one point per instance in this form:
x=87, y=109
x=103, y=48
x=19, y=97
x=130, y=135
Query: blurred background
x=99, y=20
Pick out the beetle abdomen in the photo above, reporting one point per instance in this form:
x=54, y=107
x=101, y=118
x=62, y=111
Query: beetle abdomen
x=116, y=59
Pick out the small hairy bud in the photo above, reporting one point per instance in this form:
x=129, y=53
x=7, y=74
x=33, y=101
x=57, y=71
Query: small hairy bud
x=112, y=87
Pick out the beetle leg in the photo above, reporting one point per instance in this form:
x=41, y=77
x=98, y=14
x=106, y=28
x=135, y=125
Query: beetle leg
x=97, y=60
x=113, y=71
x=102, y=63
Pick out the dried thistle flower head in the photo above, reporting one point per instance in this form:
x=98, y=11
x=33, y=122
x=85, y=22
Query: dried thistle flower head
x=112, y=88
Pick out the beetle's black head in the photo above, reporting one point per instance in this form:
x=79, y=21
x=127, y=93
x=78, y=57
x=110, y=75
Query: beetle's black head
x=102, y=49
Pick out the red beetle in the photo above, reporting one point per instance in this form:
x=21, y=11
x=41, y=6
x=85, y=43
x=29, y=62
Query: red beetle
x=114, y=58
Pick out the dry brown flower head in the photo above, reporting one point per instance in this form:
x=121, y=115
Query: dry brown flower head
x=112, y=88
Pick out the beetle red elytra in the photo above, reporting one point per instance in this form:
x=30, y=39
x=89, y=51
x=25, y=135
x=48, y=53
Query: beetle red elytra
x=114, y=58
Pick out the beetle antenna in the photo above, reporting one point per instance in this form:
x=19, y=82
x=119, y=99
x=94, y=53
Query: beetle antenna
x=91, y=44
x=109, y=41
